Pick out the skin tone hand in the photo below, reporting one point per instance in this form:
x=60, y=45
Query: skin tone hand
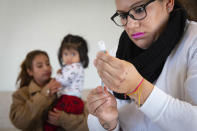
x=54, y=116
x=103, y=106
x=59, y=71
x=53, y=86
x=120, y=76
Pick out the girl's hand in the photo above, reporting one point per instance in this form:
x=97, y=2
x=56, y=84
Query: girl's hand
x=53, y=86
x=53, y=117
x=103, y=106
x=59, y=71
x=118, y=75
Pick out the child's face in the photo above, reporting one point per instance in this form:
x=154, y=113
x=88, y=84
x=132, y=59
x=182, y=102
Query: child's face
x=70, y=56
x=41, y=69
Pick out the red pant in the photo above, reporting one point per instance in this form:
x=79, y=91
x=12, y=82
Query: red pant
x=69, y=104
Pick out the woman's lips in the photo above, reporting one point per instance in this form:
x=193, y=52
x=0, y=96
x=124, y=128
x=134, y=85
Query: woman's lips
x=138, y=35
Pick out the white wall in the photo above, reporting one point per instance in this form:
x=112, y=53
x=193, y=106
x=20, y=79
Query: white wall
x=41, y=24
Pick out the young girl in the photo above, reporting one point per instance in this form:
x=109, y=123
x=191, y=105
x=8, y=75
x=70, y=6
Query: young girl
x=73, y=58
x=35, y=94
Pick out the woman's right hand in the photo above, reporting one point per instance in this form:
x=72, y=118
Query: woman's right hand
x=53, y=86
x=103, y=105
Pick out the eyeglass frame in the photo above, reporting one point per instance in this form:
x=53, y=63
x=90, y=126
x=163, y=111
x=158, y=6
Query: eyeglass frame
x=130, y=15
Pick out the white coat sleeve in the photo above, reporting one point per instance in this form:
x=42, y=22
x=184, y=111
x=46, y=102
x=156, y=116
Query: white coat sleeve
x=94, y=124
x=172, y=114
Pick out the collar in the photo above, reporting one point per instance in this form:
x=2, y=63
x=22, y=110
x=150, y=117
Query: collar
x=33, y=87
x=78, y=63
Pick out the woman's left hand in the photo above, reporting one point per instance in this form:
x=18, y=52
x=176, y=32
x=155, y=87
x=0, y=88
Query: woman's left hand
x=117, y=75
x=54, y=116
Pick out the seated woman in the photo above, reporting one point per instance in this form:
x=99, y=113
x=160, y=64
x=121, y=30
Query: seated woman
x=35, y=95
x=154, y=77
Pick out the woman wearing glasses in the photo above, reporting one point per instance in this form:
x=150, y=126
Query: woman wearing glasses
x=153, y=80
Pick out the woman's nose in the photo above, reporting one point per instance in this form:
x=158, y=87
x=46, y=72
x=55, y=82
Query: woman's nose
x=70, y=58
x=131, y=23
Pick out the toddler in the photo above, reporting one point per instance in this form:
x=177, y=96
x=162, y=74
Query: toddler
x=73, y=58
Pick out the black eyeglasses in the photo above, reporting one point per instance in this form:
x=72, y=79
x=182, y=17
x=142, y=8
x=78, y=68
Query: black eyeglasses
x=136, y=13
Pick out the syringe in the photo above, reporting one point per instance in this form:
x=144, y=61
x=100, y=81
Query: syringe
x=101, y=44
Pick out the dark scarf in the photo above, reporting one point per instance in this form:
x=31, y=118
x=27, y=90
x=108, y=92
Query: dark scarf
x=150, y=62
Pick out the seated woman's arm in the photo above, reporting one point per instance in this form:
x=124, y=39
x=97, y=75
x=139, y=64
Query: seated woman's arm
x=164, y=109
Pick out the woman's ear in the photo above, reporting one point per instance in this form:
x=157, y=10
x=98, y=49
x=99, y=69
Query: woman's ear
x=169, y=5
x=30, y=73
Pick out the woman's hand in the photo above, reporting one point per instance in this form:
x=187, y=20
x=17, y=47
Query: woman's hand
x=118, y=75
x=53, y=117
x=103, y=105
x=53, y=86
